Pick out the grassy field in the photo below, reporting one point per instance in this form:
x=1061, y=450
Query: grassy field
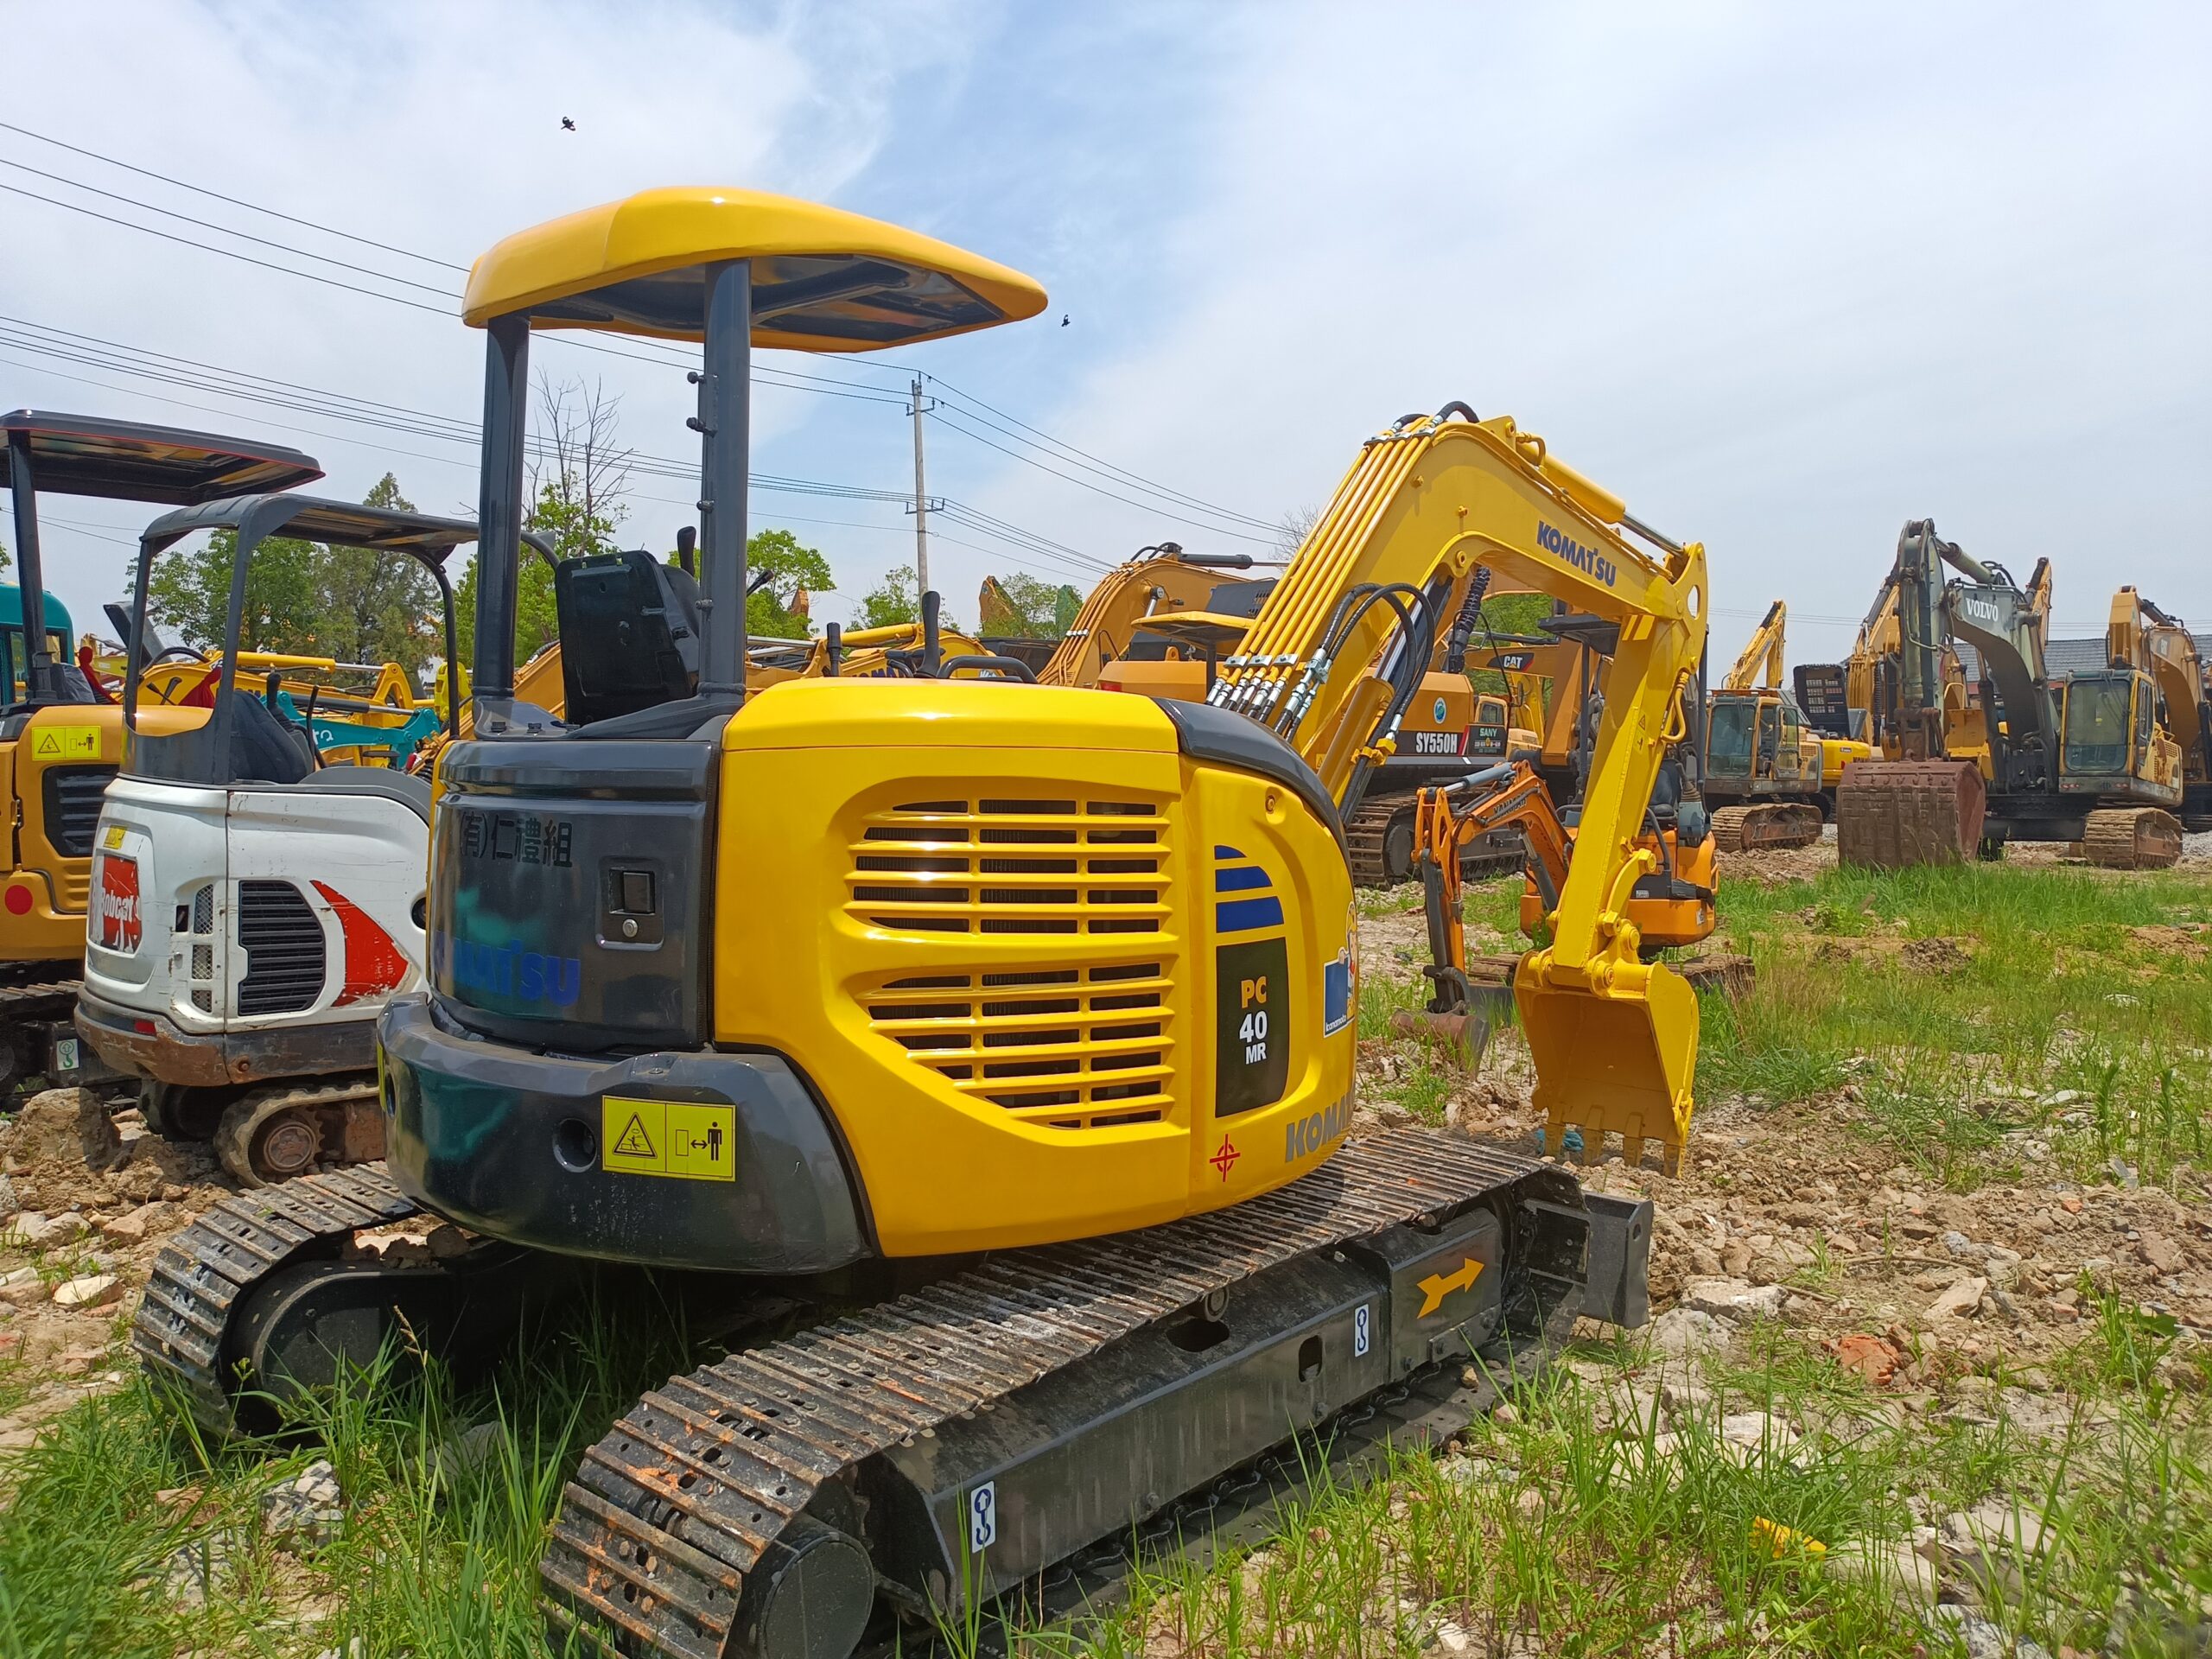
x=2037, y=1025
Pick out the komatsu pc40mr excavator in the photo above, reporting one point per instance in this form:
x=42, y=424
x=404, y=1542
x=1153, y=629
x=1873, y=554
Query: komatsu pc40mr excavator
x=1024, y=1013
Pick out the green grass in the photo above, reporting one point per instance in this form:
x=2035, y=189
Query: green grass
x=2057, y=993
x=1574, y=1535
x=439, y=1553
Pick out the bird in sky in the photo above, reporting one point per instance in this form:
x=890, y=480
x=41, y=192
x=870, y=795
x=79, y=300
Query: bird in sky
x=1064, y=320
x=566, y=125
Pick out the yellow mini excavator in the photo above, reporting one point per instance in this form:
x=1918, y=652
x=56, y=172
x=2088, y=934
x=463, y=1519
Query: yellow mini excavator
x=1002, y=1033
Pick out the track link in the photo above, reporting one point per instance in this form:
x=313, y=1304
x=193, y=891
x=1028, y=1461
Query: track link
x=2132, y=838
x=673, y=1511
x=1381, y=826
x=201, y=1275
x=1769, y=826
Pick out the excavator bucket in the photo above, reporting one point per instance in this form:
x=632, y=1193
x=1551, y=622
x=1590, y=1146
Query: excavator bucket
x=1891, y=815
x=1613, y=1059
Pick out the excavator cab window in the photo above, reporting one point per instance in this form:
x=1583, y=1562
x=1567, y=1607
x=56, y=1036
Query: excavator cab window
x=1770, y=739
x=1728, y=744
x=2146, y=713
x=629, y=634
x=2100, y=723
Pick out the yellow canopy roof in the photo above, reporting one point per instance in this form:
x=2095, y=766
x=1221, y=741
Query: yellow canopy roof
x=824, y=280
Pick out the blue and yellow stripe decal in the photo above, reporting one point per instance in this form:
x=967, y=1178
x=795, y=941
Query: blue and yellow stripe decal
x=1245, y=900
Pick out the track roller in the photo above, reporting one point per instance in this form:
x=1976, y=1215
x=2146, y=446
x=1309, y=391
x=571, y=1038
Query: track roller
x=275, y=1133
x=2132, y=838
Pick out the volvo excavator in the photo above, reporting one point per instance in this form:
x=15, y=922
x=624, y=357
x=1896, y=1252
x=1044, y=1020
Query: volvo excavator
x=1002, y=1034
x=59, y=741
x=2085, y=760
x=1769, y=774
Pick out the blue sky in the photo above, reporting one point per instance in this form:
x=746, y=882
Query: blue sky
x=1782, y=276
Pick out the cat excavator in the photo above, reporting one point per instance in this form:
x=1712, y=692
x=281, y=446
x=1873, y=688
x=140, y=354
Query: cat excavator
x=1770, y=775
x=1000, y=1035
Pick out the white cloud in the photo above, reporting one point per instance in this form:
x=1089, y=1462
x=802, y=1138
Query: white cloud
x=1782, y=276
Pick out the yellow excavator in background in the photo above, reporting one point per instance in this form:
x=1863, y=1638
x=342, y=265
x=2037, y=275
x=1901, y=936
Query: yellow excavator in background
x=1160, y=582
x=2141, y=636
x=1769, y=774
x=989, y=1033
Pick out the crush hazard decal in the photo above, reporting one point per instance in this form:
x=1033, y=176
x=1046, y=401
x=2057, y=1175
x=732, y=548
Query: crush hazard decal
x=116, y=919
x=681, y=1140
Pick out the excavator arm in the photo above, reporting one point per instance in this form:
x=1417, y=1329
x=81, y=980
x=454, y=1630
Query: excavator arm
x=1762, y=652
x=1614, y=1038
x=2138, y=634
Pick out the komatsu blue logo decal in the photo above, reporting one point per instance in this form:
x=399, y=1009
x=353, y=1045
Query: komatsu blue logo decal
x=1248, y=914
x=510, y=970
x=1588, y=559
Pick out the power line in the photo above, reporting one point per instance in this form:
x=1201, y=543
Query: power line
x=88, y=351
x=860, y=391
x=201, y=190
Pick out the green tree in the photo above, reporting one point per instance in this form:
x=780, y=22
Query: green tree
x=189, y=595
x=349, y=603
x=379, y=607
x=778, y=569
x=575, y=527
x=893, y=601
x=5, y=560
x=1026, y=607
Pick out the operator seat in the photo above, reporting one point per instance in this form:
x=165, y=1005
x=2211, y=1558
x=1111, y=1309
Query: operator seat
x=630, y=638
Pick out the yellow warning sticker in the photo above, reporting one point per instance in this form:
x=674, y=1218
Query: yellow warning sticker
x=682, y=1139
x=67, y=743
x=111, y=837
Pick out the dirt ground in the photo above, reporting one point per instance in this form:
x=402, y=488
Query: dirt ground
x=1799, y=1197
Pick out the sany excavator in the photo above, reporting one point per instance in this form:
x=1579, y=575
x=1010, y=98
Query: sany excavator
x=1002, y=1035
x=2084, y=760
x=59, y=741
x=2141, y=636
x=1769, y=776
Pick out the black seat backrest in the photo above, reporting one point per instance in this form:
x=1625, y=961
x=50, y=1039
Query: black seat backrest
x=264, y=748
x=629, y=634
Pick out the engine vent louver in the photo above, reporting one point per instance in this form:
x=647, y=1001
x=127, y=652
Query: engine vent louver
x=1067, y=1047
x=73, y=807
x=284, y=948
x=1070, y=1048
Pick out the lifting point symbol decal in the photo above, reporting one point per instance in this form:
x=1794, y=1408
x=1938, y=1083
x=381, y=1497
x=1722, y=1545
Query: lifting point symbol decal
x=1225, y=1160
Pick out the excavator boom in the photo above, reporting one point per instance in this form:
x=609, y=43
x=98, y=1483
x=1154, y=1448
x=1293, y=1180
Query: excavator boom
x=1760, y=661
x=1614, y=1038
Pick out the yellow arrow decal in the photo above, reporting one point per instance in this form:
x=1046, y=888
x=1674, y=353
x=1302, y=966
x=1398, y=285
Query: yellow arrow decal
x=1437, y=1286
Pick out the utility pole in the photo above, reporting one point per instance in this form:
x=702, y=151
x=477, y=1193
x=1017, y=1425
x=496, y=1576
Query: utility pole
x=921, y=503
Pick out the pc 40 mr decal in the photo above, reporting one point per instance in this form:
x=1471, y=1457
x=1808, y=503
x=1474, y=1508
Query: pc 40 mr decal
x=1252, y=998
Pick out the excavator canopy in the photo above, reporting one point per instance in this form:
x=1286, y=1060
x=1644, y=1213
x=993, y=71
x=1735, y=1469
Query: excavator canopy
x=824, y=280
x=77, y=454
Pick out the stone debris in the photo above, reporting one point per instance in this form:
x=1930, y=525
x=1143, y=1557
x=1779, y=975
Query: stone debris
x=1875, y=1358
x=33, y=1231
x=22, y=1288
x=136, y=1226
x=1987, y=1546
x=194, y=1571
x=1980, y=1638
x=94, y=1290
x=1734, y=1299
x=1963, y=1297
x=1688, y=1331
x=309, y=1509
x=1908, y=1575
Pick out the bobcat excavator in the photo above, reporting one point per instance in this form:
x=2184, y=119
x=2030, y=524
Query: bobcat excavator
x=1769, y=774
x=59, y=741
x=2141, y=636
x=2085, y=760
x=1002, y=1034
